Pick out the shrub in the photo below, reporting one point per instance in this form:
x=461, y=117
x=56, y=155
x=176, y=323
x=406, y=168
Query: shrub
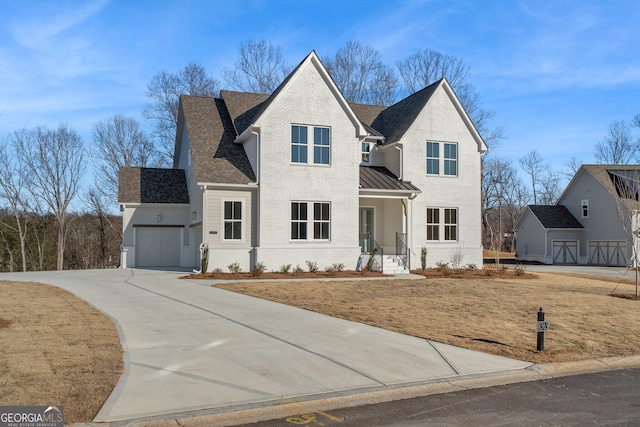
x=259, y=268
x=298, y=269
x=204, y=260
x=312, y=266
x=285, y=268
x=519, y=270
x=471, y=267
x=217, y=270
x=423, y=258
x=234, y=268
x=372, y=258
x=443, y=267
x=338, y=266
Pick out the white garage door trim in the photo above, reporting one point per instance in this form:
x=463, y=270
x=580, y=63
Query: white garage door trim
x=565, y=251
x=158, y=246
x=608, y=252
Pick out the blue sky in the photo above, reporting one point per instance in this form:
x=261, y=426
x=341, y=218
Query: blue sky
x=555, y=73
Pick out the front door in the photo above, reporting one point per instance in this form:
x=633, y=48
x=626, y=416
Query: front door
x=366, y=230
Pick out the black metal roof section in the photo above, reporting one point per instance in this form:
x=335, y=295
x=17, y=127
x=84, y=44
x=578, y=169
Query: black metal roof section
x=152, y=185
x=381, y=178
x=555, y=216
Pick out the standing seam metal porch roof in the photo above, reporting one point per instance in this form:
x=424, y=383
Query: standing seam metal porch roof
x=381, y=178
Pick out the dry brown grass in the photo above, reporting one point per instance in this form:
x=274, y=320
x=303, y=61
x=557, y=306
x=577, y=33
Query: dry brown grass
x=491, y=314
x=56, y=350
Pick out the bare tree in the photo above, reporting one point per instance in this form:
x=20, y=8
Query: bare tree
x=260, y=68
x=163, y=93
x=361, y=76
x=119, y=141
x=54, y=160
x=503, y=198
x=534, y=166
x=617, y=148
x=572, y=167
x=13, y=183
x=105, y=227
x=549, y=187
x=428, y=66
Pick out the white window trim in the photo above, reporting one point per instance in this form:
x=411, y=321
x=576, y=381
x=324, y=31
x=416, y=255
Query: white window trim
x=311, y=145
x=242, y=221
x=442, y=224
x=441, y=159
x=310, y=221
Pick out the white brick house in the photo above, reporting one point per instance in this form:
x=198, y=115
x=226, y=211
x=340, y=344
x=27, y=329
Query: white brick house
x=303, y=175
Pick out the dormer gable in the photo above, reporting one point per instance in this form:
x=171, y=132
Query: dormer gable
x=394, y=122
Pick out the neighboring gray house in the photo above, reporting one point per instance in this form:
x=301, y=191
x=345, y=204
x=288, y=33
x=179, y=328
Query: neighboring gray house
x=584, y=227
x=303, y=175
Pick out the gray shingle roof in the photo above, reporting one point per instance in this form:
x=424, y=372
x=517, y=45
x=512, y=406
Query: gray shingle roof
x=151, y=185
x=557, y=216
x=381, y=178
x=242, y=107
x=216, y=158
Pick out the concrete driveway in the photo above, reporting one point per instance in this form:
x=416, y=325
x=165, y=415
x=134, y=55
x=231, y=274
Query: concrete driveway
x=189, y=346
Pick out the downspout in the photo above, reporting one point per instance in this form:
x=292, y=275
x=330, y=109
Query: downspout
x=257, y=208
x=257, y=134
x=398, y=147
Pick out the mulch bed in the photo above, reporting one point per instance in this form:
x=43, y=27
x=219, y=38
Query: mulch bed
x=347, y=274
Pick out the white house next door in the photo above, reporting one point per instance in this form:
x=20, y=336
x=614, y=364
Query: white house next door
x=565, y=252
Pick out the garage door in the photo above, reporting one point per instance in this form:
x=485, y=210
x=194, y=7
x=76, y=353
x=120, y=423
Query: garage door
x=612, y=252
x=158, y=246
x=565, y=251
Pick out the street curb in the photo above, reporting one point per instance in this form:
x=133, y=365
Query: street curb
x=313, y=404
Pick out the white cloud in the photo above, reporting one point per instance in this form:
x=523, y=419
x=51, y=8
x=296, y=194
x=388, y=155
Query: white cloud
x=42, y=28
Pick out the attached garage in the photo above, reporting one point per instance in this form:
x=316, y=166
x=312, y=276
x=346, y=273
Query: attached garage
x=608, y=252
x=158, y=246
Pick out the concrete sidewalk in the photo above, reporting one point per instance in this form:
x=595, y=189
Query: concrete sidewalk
x=191, y=347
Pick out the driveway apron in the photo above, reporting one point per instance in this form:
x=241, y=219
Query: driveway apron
x=189, y=346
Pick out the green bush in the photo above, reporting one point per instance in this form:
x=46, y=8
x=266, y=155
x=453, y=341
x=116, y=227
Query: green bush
x=234, y=268
x=423, y=258
x=312, y=266
x=285, y=268
x=204, y=260
x=259, y=268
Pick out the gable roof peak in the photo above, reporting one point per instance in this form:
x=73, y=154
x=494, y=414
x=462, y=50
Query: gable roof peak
x=314, y=60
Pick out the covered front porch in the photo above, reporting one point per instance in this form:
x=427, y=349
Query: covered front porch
x=384, y=221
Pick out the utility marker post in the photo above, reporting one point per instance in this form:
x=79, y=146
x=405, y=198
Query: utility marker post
x=542, y=327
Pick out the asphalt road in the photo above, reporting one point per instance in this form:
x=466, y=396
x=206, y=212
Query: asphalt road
x=610, y=398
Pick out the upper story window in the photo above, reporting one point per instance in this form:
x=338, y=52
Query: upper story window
x=445, y=160
x=585, y=209
x=298, y=144
x=232, y=220
x=321, y=146
x=366, y=150
x=300, y=153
